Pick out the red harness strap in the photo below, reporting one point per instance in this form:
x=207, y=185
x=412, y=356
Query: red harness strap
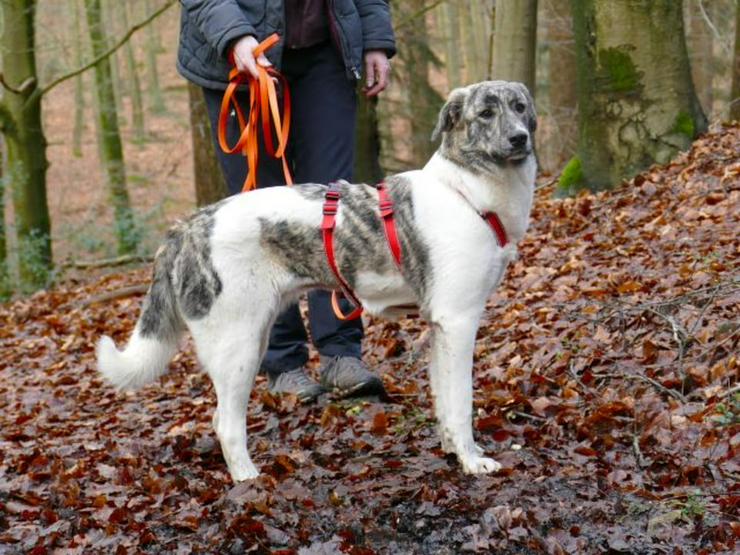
x=494, y=222
x=331, y=202
x=389, y=224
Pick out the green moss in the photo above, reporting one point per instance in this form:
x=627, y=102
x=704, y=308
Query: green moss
x=685, y=125
x=571, y=179
x=617, y=71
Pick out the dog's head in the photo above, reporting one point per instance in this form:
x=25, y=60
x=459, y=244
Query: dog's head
x=487, y=124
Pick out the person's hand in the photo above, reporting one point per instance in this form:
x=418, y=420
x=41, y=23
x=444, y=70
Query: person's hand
x=377, y=72
x=243, y=51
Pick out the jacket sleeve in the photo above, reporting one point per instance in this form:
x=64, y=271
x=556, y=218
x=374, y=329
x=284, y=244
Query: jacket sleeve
x=377, y=31
x=220, y=21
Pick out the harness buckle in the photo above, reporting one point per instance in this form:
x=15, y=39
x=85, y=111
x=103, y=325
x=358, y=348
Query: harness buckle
x=332, y=194
x=386, y=208
x=330, y=207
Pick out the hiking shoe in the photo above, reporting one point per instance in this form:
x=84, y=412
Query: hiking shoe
x=349, y=376
x=296, y=382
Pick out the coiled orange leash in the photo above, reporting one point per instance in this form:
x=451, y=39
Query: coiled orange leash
x=264, y=106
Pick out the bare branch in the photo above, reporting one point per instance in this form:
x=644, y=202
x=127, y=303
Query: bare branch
x=21, y=89
x=129, y=291
x=110, y=51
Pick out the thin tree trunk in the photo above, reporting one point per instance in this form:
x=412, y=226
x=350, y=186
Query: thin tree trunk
x=701, y=57
x=735, y=95
x=515, y=39
x=562, y=137
x=636, y=99
x=20, y=118
x=79, y=117
x=367, y=141
x=155, y=92
x=137, y=104
x=210, y=185
x=109, y=33
x=111, y=149
x=5, y=285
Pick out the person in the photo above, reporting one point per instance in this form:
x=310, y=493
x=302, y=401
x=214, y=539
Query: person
x=324, y=45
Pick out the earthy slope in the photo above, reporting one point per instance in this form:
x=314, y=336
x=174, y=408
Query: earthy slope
x=606, y=376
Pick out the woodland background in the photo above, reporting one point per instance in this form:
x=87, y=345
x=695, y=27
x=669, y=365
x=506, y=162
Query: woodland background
x=606, y=367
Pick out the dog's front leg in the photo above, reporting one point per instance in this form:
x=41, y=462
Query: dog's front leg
x=451, y=379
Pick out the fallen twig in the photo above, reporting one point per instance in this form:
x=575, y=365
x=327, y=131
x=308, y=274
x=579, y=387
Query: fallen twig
x=108, y=262
x=129, y=291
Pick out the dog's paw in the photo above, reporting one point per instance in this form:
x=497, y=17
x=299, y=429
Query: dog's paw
x=479, y=465
x=247, y=473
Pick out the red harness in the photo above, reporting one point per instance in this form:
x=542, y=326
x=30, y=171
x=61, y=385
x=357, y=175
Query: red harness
x=331, y=204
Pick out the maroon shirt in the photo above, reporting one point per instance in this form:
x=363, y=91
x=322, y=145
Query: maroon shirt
x=306, y=23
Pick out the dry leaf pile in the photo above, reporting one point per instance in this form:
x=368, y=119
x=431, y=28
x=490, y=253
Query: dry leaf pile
x=606, y=379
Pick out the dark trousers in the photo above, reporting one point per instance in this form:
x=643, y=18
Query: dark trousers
x=320, y=150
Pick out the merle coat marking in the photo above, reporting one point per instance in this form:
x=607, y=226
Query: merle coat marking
x=225, y=273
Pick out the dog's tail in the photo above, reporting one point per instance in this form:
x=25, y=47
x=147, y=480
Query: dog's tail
x=156, y=335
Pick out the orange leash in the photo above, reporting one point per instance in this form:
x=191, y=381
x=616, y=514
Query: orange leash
x=264, y=105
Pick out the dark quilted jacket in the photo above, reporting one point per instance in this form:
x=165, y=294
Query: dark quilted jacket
x=208, y=27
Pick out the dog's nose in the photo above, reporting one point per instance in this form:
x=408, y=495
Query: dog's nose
x=518, y=140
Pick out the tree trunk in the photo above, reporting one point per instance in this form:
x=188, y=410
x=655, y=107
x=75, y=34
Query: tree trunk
x=701, y=57
x=79, y=117
x=152, y=48
x=560, y=137
x=137, y=105
x=515, y=40
x=210, y=185
x=5, y=286
x=111, y=149
x=474, y=46
x=636, y=100
x=20, y=116
x=450, y=27
x=423, y=101
x=367, y=141
x=735, y=95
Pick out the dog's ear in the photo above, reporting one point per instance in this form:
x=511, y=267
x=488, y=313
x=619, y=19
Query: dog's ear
x=531, y=112
x=451, y=113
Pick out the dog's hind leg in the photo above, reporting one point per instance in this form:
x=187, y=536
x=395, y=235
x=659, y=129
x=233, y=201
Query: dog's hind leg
x=232, y=356
x=451, y=379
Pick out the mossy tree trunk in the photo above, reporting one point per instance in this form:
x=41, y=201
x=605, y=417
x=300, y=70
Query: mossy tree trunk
x=210, y=185
x=735, y=95
x=20, y=119
x=111, y=148
x=515, y=40
x=636, y=100
x=559, y=143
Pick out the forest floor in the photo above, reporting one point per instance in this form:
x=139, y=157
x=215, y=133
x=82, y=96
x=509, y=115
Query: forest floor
x=606, y=377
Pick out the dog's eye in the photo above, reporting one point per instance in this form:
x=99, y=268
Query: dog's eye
x=520, y=107
x=486, y=114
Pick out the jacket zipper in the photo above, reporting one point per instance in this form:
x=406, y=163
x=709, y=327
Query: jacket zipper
x=337, y=36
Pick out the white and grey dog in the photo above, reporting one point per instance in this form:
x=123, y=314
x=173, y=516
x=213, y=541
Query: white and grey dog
x=227, y=271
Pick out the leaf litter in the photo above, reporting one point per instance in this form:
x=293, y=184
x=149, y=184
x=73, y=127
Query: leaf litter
x=606, y=377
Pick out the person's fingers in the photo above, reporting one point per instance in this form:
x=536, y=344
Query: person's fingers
x=263, y=61
x=381, y=74
x=370, y=67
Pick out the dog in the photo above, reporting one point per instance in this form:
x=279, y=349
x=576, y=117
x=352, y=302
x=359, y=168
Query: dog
x=226, y=272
